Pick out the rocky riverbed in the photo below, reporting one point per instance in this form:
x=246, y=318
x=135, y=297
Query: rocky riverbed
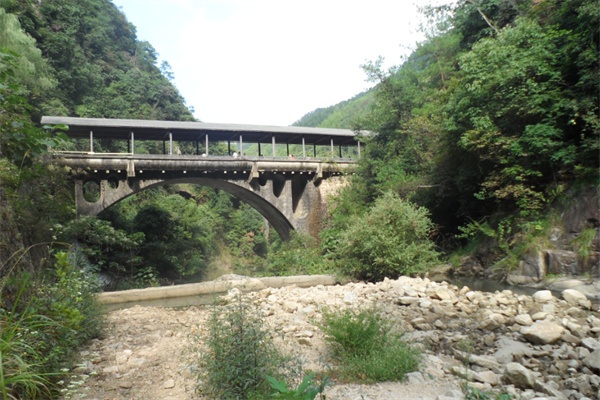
x=533, y=347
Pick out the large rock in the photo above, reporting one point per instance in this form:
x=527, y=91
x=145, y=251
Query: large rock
x=562, y=262
x=542, y=296
x=508, y=348
x=543, y=332
x=543, y=387
x=524, y=319
x=518, y=375
x=593, y=360
x=576, y=298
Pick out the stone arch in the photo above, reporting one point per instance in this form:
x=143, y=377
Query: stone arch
x=256, y=199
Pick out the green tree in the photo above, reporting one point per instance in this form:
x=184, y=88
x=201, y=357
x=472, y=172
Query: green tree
x=510, y=111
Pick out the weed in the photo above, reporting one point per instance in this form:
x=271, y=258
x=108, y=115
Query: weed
x=240, y=354
x=583, y=245
x=366, y=346
x=472, y=393
x=307, y=390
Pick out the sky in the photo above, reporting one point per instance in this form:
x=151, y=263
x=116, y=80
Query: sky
x=269, y=62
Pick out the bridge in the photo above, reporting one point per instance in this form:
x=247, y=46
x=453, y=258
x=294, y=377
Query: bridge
x=285, y=173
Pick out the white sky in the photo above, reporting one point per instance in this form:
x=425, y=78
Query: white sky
x=269, y=62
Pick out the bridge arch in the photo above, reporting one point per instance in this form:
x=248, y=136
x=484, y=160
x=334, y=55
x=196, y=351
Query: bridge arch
x=287, y=204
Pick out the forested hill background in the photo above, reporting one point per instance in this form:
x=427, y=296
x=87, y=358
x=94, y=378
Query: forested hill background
x=91, y=61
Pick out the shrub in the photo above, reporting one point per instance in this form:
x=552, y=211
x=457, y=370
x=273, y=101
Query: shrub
x=390, y=240
x=300, y=255
x=366, y=346
x=41, y=325
x=239, y=355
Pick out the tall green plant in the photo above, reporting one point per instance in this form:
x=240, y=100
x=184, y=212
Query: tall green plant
x=239, y=354
x=389, y=240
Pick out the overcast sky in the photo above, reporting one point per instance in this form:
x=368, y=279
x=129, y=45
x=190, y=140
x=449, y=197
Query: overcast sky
x=269, y=62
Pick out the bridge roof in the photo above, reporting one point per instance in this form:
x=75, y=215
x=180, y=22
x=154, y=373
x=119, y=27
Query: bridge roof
x=195, y=131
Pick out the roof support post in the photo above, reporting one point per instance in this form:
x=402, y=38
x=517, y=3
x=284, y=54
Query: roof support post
x=259, y=152
x=206, y=144
x=332, y=152
x=132, y=143
x=170, y=144
x=197, y=147
x=340, y=151
x=91, y=141
x=241, y=146
x=287, y=146
x=303, y=148
x=228, y=147
x=314, y=150
x=273, y=142
x=359, y=149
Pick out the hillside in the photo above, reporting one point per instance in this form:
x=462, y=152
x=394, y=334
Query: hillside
x=344, y=115
x=100, y=67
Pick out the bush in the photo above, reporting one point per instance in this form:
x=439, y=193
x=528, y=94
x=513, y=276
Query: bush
x=366, y=347
x=301, y=255
x=390, y=240
x=239, y=355
x=41, y=325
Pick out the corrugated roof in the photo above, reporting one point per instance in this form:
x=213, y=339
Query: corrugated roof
x=194, y=131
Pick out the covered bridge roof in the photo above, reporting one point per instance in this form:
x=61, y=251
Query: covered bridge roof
x=194, y=131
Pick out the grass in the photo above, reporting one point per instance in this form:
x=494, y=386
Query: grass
x=21, y=365
x=367, y=348
x=42, y=323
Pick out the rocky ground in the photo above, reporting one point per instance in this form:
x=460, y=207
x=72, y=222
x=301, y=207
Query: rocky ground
x=533, y=347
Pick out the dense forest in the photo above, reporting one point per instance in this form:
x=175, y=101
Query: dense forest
x=491, y=121
x=488, y=123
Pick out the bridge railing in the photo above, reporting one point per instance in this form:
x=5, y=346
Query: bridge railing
x=173, y=157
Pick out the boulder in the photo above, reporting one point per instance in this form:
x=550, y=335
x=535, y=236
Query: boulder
x=590, y=343
x=592, y=361
x=542, y=296
x=442, y=293
x=562, y=262
x=487, y=362
x=576, y=298
x=524, y=319
x=508, y=348
x=543, y=387
x=518, y=375
x=486, y=377
x=543, y=332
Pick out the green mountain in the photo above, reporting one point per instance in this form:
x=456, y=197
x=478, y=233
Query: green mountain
x=101, y=69
x=344, y=115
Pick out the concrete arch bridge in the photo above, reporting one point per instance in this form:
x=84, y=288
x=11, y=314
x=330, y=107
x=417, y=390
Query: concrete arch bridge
x=290, y=191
